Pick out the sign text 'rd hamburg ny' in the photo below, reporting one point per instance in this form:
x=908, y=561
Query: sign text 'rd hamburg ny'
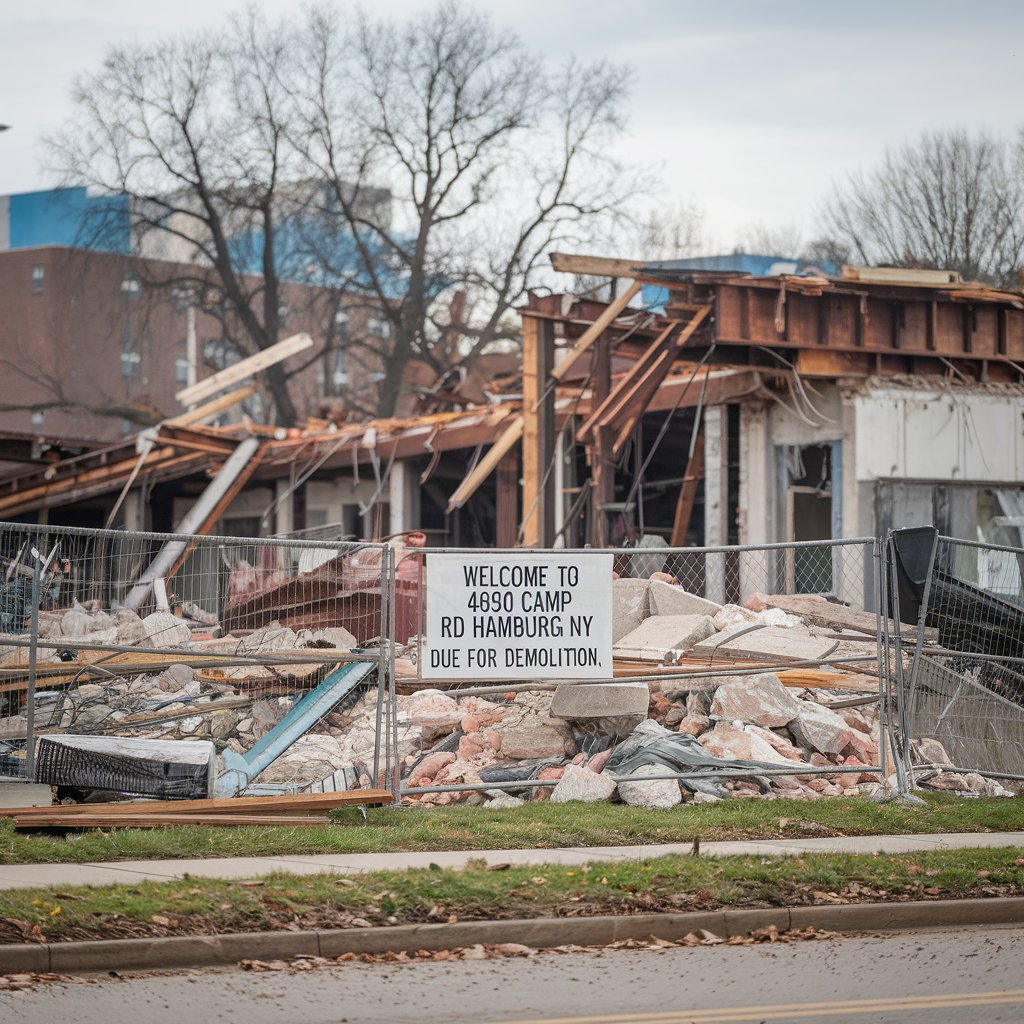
x=518, y=616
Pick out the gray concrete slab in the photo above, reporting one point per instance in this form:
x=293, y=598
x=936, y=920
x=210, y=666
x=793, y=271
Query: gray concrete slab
x=24, y=794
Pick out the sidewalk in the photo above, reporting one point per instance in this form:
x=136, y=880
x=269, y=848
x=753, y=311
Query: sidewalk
x=27, y=876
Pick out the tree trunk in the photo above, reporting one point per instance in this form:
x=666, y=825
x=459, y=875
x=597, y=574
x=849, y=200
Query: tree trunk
x=277, y=384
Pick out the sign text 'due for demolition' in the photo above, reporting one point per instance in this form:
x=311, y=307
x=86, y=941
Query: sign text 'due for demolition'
x=518, y=616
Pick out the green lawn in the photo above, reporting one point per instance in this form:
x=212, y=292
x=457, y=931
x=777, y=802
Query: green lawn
x=534, y=826
x=208, y=906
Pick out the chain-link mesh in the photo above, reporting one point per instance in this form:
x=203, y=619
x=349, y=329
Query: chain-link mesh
x=962, y=689
x=162, y=636
x=816, y=599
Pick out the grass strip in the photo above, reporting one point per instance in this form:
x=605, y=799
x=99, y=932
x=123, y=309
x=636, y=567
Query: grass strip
x=668, y=884
x=533, y=826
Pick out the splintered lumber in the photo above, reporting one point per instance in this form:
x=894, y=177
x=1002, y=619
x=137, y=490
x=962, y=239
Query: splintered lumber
x=595, y=330
x=218, y=405
x=243, y=369
x=289, y=804
x=36, y=822
x=501, y=447
x=811, y=678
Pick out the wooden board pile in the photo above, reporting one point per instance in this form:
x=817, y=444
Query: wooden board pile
x=305, y=809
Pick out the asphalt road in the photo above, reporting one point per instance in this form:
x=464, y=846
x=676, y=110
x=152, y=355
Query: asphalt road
x=953, y=977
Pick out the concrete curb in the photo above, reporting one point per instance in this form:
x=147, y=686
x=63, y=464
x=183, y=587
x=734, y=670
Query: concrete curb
x=209, y=950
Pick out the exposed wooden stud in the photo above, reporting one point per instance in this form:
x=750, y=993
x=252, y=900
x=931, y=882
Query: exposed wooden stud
x=688, y=492
x=538, y=524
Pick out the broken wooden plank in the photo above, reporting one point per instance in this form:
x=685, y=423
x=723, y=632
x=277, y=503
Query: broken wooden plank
x=35, y=823
x=483, y=469
x=595, y=330
x=595, y=266
x=211, y=408
x=292, y=803
x=615, y=397
x=244, y=368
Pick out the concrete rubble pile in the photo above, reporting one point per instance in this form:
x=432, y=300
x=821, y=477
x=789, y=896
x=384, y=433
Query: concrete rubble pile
x=582, y=737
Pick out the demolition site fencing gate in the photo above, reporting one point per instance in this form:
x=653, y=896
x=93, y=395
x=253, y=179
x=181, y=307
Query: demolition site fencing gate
x=90, y=640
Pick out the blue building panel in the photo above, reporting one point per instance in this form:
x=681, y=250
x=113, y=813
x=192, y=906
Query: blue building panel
x=70, y=217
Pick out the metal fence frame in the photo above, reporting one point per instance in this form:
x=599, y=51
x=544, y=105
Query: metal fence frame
x=854, y=570
x=90, y=579
x=937, y=679
x=729, y=569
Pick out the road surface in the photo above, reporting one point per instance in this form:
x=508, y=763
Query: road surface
x=955, y=977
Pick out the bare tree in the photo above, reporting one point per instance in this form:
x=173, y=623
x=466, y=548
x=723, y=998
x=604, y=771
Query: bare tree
x=952, y=200
x=762, y=239
x=191, y=131
x=492, y=157
x=394, y=168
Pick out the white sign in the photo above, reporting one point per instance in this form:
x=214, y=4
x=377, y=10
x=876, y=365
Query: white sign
x=518, y=616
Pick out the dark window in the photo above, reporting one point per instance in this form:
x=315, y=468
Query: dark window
x=37, y=278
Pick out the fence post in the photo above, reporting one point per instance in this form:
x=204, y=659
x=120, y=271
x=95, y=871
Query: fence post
x=30, y=709
x=381, y=665
x=392, y=586
x=883, y=668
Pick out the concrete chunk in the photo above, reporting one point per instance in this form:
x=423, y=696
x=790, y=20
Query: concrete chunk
x=661, y=794
x=659, y=635
x=583, y=785
x=667, y=599
x=770, y=643
x=166, y=630
x=821, y=728
x=630, y=606
x=759, y=700
x=581, y=701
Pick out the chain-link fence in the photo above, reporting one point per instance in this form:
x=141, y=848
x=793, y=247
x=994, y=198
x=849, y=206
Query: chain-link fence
x=756, y=611
x=961, y=683
x=281, y=653
x=170, y=637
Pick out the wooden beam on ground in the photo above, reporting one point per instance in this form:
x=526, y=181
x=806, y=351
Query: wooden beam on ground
x=508, y=439
x=594, y=266
x=57, y=820
x=244, y=368
x=595, y=330
x=288, y=803
x=688, y=492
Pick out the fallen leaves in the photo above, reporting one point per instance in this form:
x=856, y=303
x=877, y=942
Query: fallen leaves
x=306, y=962
x=13, y=929
x=481, y=951
x=20, y=982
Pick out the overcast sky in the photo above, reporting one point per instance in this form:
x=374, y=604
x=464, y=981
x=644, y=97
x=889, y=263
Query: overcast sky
x=749, y=108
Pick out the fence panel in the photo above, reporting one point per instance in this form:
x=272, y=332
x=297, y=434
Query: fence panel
x=483, y=734
x=164, y=636
x=964, y=685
